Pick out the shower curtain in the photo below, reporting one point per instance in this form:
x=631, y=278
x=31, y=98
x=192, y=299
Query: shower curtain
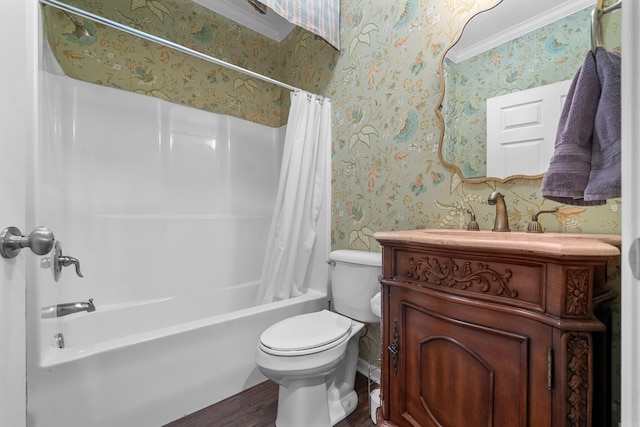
x=303, y=178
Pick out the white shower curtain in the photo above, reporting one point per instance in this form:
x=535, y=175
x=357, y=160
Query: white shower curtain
x=303, y=177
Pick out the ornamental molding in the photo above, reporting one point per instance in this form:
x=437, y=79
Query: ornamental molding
x=578, y=354
x=464, y=276
x=577, y=292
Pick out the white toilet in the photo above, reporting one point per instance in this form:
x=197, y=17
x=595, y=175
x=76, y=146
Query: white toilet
x=313, y=357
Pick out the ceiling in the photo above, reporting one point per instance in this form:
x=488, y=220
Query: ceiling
x=508, y=20
x=270, y=24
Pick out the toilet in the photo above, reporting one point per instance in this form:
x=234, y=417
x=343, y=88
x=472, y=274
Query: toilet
x=313, y=356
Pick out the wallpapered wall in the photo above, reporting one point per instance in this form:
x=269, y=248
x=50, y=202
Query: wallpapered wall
x=384, y=85
x=550, y=54
x=128, y=62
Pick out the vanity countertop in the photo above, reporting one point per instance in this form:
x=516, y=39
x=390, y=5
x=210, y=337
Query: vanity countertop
x=556, y=244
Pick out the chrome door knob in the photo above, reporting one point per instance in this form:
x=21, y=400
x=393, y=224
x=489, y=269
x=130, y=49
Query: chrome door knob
x=40, y=241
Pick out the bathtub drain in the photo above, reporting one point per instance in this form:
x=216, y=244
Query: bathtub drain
x=58, y=340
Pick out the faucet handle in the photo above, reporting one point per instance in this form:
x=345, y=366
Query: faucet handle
x=66, y=261
x=473, y=224
x=60, y=261
x=534, y=225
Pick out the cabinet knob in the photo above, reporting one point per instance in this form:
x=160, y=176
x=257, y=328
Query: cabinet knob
x=393, y=348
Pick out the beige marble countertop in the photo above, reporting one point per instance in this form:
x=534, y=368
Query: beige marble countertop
x=559, y=244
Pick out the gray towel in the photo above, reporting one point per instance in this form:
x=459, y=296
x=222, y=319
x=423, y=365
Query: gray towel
x=605, y=177
x=587, y=156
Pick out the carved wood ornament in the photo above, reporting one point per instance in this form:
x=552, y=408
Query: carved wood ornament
x=449, y=273
x=577, y=292
x=577, y=378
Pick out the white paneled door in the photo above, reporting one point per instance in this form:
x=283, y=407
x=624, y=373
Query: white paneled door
x=18, y=44
x=522, y=128
x=630, y=212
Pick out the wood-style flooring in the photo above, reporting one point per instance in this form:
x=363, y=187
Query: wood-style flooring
x=256, y=407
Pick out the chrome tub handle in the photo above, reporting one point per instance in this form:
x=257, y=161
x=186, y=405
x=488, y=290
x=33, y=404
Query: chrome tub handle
x=60, y=261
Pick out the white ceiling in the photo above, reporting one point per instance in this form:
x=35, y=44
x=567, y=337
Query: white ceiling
x=508, y=20
x=270, y=24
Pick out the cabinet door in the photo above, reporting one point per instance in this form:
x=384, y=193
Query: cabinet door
x=463, y=365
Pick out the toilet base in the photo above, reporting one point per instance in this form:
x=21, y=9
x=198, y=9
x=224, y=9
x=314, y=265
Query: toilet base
x=342, y=408
x=301, y=403
x=319, y=410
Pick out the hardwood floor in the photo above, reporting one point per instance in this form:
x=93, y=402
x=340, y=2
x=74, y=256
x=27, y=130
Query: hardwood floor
x=256, y=407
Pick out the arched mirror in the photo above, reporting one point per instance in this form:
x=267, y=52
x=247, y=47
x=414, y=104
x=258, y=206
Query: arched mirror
x=514, y=49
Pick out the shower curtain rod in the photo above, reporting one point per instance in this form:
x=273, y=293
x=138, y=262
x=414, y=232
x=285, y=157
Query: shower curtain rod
x=59, y=5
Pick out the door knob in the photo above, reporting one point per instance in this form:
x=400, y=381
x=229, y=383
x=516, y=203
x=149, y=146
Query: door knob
x=40, y=241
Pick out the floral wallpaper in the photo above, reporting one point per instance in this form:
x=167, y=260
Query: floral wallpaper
x=384, y=85
x=131, y=63
x=550, y=54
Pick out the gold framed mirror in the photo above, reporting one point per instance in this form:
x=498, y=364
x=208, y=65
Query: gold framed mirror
x=512, y=47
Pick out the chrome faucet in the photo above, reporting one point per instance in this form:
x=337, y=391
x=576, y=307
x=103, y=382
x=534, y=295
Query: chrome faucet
x=66, y=309
x=502, y=218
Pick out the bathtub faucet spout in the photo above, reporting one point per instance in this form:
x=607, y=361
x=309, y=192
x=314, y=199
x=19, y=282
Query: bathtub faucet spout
x=67, y=308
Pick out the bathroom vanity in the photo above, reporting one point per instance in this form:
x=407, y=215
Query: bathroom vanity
x=496, y=329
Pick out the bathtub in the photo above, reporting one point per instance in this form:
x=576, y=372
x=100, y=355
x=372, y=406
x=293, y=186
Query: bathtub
x=173, y=269
x=150, y=378
x=116, y=325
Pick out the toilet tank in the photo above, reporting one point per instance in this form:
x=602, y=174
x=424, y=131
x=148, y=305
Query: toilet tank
x=354, y=281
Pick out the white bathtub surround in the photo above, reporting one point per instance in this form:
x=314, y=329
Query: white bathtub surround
x=167, y=208
x=304, y=179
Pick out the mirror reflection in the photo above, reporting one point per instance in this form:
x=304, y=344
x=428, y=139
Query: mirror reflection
x=525, y=55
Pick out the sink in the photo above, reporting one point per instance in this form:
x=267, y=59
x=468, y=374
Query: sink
x=560, y=244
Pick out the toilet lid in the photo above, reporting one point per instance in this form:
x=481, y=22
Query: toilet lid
x=306, y=332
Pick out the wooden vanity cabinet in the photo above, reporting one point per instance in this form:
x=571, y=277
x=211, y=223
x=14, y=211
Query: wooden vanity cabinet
x=492, y=337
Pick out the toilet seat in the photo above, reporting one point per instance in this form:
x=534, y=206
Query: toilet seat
x=305, y=334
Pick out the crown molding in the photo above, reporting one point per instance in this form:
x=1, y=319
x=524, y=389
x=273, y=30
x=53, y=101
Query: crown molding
x=518, y=29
